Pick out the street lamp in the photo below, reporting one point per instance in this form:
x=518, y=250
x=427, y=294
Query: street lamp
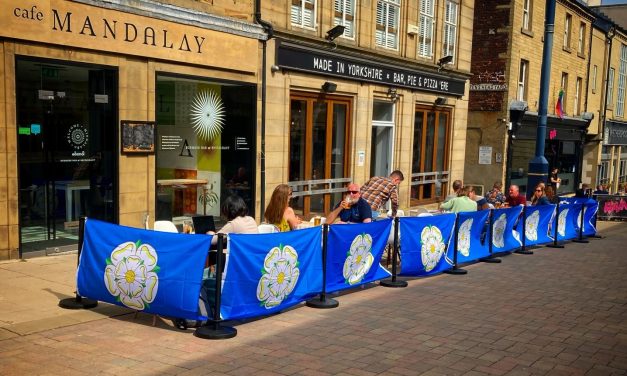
x=539, y=166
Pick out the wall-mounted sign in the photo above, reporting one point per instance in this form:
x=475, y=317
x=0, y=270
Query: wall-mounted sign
x=301, y=58
x=488, y=87
x=138, y=136
x=616, y=133
x=485, y=154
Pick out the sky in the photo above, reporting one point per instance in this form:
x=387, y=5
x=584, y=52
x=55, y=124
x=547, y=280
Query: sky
x=612, y=2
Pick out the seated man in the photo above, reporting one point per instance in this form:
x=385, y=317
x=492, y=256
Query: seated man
x=515, y=198
x=352, y=209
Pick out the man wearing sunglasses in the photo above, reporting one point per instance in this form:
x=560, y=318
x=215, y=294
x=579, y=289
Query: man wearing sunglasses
x=352, y=209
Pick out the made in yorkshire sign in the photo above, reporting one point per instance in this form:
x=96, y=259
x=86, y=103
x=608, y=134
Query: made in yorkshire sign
x=333, y=64
x=69, y=23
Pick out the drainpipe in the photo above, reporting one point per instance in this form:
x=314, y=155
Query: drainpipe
x=267, y=27
x=609, y=38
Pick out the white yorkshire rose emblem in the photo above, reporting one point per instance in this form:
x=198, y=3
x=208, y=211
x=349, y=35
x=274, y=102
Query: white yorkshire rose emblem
x=531, y=225
x=432, y=247
x=499, y=231
x=131, y=274
x=279, y=276
x=358, y=260
x=207, y=115
x=561, y=222
x=463, y=237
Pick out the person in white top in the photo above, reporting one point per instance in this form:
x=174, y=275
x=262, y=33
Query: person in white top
x=239, y=222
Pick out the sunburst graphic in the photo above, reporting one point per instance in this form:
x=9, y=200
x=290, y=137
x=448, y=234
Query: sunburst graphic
x=207, y=115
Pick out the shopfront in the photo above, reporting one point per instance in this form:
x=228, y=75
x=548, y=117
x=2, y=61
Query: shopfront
x=612, y=171
x=121, y=112
x=353, y=116
x=563, y=149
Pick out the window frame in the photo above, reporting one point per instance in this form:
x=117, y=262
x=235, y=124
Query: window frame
x=340, y=17
x=389, y=33
x=450, y=28
x=523, y=80
x=421, y=179
x=427, y=21
x=564, y=87
x=581, y=40
x=527, y=15
x=302, y=5
x=330, y=100
x=568, y=24
x=619, y=111
x=595, y=72
x=577, y=102
x=609, y=96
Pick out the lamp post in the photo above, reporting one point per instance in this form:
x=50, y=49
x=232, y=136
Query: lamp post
x=539, y=166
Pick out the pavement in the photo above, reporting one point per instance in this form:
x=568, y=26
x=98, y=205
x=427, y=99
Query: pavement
x=556, y=312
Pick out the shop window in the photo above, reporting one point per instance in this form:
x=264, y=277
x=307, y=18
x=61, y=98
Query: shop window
x=449, y=41
x=430, y=155
x=425, y=37
x=386, y=34
x=303, y=13
x=205, y=145
x=319, y=151
x=345, y=15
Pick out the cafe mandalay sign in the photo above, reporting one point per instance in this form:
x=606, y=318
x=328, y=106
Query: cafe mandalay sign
x=328, y=63
x=74, y=24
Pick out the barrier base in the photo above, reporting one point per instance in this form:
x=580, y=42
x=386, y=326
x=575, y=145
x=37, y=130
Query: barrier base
x=322, y=303
x=524, y=252
x=582, y=240
x=491, y=260
x=456, y=271
x=78, y=303
x=392, y=283
x=555, y=245
x=215, y=331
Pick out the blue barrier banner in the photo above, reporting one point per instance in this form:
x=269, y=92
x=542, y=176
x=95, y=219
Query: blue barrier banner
x=591, y=207
x=538, y=224
x=472, y=237
x=424, y=244
x=568, y=221
x=506, y=228
x=152, y=271
x=267, y=273
x=354, y=252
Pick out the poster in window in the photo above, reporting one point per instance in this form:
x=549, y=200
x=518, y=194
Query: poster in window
x=138, y=137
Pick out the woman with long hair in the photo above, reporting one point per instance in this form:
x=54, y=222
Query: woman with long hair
x=539, y=198
x=550, y=195
x=278, y=212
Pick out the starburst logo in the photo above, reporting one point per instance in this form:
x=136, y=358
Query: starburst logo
x=207, y=115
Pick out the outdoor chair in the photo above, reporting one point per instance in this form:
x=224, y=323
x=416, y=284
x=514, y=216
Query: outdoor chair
x=165, y=226
x=267, y=228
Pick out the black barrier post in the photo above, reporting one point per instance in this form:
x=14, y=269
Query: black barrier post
x=555, y=243
x=581, y=238
x=393, y=282
x=523, y=250
x=212, y=329
x=322, y=301
x=491, y=259
x=78, y=302
x=455, y=269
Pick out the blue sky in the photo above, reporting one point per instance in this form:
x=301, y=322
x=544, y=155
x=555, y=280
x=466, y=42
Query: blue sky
x=611, y=2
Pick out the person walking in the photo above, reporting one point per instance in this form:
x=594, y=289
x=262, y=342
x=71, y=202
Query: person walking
x=555, y=179
x=352, y=209
x=378, y=190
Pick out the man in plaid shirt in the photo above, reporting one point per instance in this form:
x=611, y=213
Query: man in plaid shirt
x=379, y=190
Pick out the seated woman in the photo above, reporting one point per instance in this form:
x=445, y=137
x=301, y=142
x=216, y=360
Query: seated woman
x=496, y=196
x=539, y=198
x=550, y=195
x=278, y=212
x=463, y=203
x=239, y=222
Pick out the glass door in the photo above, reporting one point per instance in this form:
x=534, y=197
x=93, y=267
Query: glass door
x=67, y=142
